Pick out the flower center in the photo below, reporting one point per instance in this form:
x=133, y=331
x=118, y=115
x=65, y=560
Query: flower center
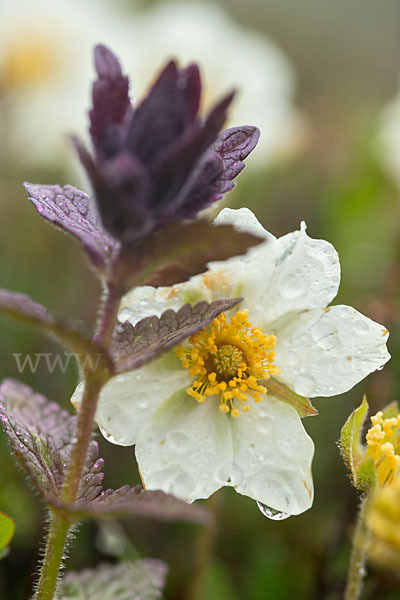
x=228, y=360
x=383, y=440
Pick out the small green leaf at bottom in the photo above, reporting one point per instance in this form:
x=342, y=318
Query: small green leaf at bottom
x=7, y=530
x=350, y=438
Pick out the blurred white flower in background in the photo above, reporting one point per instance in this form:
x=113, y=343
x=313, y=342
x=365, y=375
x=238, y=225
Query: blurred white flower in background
x=46, y=50
x=229, y=55
x=389, y=138
x=46, y=69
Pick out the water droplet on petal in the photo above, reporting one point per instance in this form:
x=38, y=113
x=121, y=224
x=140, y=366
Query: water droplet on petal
x=361, y=327
x=292, y=288
x=305, y=385
x=271, y=513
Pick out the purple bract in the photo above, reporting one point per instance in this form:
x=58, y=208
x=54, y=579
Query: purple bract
x=158, y=162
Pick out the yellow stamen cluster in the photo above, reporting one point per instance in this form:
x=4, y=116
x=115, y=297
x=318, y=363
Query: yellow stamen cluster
x=383, y=440
x=228, y=360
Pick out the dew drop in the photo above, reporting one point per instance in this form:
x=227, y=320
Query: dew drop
x=271, y=513
x=361, y=327
x=292, y=288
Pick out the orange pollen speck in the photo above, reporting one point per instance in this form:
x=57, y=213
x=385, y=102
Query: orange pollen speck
x=228, y=360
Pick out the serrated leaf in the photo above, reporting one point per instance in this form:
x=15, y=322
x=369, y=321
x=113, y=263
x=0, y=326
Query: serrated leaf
x=282, y=392
x=233, y=146
x=366, y=475
x=217, y=169
x=40, y=434
x=73, y=211
x=139, y=580
x=178, y=251
x=133, y=346
x=137, y=502
x=7, y=530
x=350, y=438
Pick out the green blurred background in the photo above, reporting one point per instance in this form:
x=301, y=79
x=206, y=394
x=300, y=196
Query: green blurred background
x=346, y=57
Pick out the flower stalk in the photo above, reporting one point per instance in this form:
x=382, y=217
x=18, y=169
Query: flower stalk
x=94, y=381
x=357, y=569
x=204, y=549
x=49, y=572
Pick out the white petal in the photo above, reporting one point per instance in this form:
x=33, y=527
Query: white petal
x=272, y=457
x=294, y=273
x=326, y=352
x=146, y=301
x=224, y=279
x=189, y=451
x=276, y=278
x=243, y=219
x=127, y=402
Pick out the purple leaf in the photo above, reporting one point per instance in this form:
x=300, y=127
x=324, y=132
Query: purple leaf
x=233, y=146
x=111, y=103
x=21, y=307
x=40, y=434
x=137, y=502
x=72, y=211
x=175, y=167
x=217, y=169
x=140, y=580
x=178, y=251
x=156, y=164
x=134, y=346
x=121, y=180
x=169, y=109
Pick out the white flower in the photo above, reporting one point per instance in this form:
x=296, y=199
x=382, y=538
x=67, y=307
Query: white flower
x=230, y=56
x=189, y=447
x=46, y=56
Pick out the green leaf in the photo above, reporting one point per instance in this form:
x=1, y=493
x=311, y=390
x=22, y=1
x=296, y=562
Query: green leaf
x=7, y=530
x=282, y=392
x=140, y=580
x=366, y=475
x=390, y=411
x=350, y=438
x=178, y=251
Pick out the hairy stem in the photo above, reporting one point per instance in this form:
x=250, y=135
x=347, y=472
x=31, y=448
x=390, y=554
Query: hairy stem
x=94, y=381
x=204, y=549
x=54, y=553
x=356, y=571
x=83, y=437
x=107, y=317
